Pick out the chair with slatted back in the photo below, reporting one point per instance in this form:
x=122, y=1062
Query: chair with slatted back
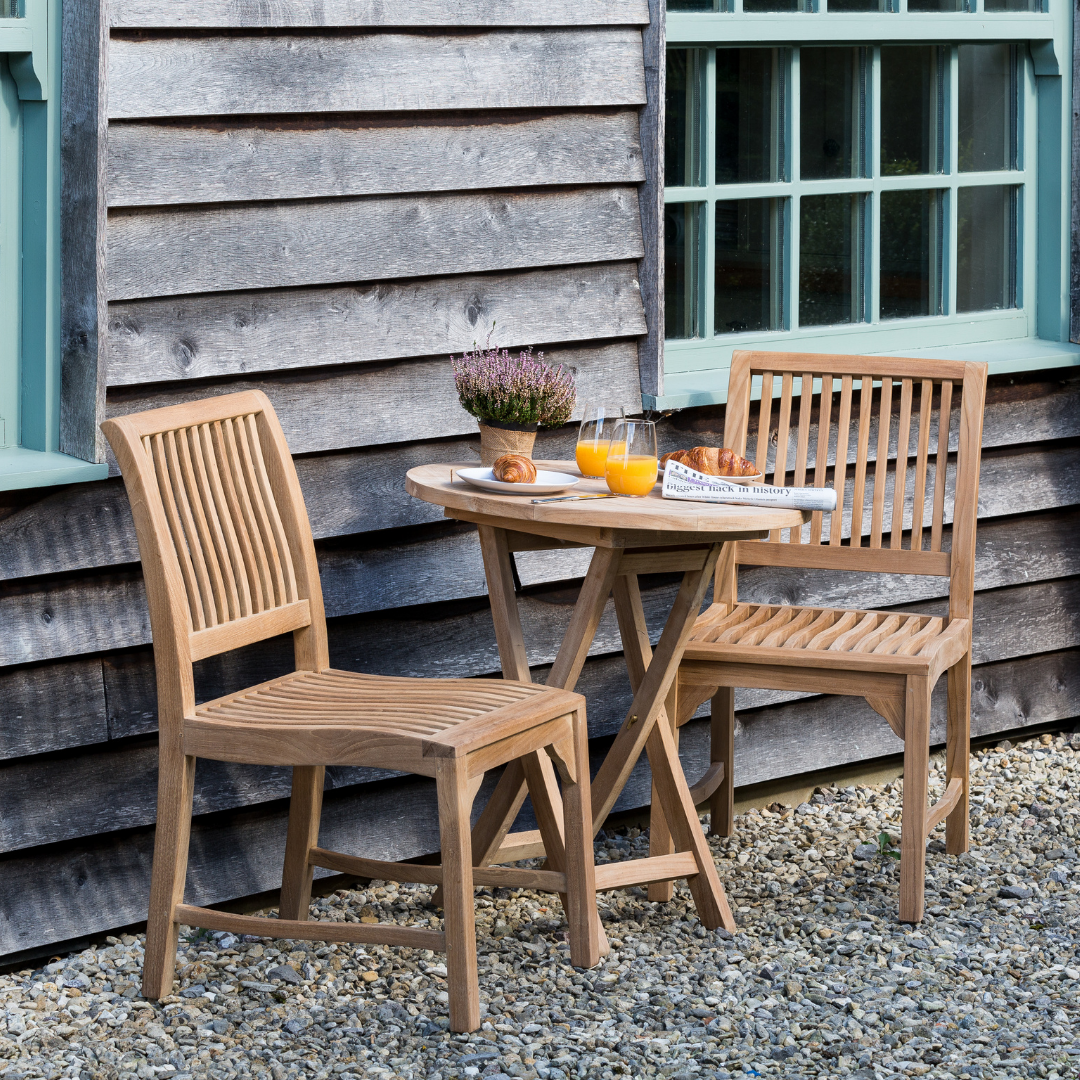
x=879, y=526
x=228, y=560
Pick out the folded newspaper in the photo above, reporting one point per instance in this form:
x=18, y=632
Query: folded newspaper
x=682, y=482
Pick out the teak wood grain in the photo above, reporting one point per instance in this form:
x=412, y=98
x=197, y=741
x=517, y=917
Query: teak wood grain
x=629, y=536
x=892, y=660
x=228, y=560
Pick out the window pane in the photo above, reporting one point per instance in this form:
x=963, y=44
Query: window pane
x=772, y=5
x=683, y=117
x=1012, y=5
x=830, y=259
x=833, y=112
x=912, y=98
x=749, y=102
x=691, y=5
x=682, y=269
x=935, y=5
x=858, y=5
x=987, y=126
x=985, y=248
x=749, y=234
x=910, y=254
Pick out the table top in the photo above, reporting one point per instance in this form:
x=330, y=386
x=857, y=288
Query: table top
x=605, y=517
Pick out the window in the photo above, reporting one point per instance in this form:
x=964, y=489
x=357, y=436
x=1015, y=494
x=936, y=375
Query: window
x=864, y=176
x=29, y=250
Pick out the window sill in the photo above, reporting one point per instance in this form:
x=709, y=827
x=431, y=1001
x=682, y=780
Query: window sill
x=21, y=468
x=685, y=390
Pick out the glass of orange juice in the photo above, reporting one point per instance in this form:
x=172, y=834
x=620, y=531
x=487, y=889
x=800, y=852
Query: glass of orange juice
x=597, y=426
x=631, y=464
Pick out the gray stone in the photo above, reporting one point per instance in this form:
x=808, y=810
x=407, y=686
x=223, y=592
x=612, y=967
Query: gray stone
x=286, y=974
x=1014, y=892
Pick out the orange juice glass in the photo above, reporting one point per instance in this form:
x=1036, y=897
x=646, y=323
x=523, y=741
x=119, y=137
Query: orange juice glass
x=597, y=426
x=631, y=466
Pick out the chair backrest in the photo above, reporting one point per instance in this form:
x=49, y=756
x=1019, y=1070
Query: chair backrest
x=224, y=537
x=845, y=406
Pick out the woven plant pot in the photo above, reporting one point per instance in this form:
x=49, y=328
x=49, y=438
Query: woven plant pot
x=497, y=439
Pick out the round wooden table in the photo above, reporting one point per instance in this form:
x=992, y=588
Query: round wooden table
x=630, y=537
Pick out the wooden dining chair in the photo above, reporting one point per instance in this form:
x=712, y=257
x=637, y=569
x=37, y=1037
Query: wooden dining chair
x=228, y=560
x=879, y=526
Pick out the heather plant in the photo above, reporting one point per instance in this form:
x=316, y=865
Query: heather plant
x=494, y=386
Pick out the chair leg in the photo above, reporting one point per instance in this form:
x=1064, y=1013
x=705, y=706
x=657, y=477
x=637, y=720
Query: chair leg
x=176, y=788
x=305, y=810
x=916, y=785
x=459, y=916
x=958, y=752
x=580, y=901
x=722, y=801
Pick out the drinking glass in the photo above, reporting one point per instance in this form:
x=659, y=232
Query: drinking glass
x=631, y=461
x=597, y=426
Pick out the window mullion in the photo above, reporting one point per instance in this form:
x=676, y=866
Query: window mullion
x=794, y=163
x=708, y=299
x=872, y=235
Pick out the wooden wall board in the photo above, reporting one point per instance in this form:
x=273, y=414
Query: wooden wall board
x=363, y=490
x=382, y=72
x=1016, y=413
x=169, y=251
x=233, y=14
x=107, y=788
x=96, y=884
x=159, y=164
x=108, y=611
x=220, y=334
x=83, y=136
x=35, y=719
x=388, y=402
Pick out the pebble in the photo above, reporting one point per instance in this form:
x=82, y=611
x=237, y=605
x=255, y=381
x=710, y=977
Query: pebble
x=820, y=980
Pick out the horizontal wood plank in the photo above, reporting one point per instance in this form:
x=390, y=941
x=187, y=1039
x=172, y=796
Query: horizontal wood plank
x=158, y=164
x=51, y=707
x=166, y=252
x=108, y=788
x=355, y=491
x=159, y=340
x=381, y=72
x=388, y=402
x=212, y=14
x=98, y=884
x=70, y=618
x=1015, y=414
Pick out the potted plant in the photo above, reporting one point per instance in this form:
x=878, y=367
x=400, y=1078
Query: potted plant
x=511, y=397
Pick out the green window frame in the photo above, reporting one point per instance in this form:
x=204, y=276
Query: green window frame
x=766, y=208
x=30, y=361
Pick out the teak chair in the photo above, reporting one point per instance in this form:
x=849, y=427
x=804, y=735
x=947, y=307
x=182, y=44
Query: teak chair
x=228, y=560
x=891, y=659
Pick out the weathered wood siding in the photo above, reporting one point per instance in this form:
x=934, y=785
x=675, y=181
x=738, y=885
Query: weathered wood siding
x=332, y=245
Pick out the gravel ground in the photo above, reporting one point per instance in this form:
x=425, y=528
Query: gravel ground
x=820, y=979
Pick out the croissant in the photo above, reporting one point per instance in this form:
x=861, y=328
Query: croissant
x=514, y=469
x=681, y=456
x=699, y=459
x=731, y=464
x=712, y=461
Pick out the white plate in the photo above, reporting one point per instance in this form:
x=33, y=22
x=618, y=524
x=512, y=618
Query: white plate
x=547, y=483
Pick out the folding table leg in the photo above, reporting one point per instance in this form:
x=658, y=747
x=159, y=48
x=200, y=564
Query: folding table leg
x=650, y=696
x=503, y=806
x=709, y=896
x=637, y=650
